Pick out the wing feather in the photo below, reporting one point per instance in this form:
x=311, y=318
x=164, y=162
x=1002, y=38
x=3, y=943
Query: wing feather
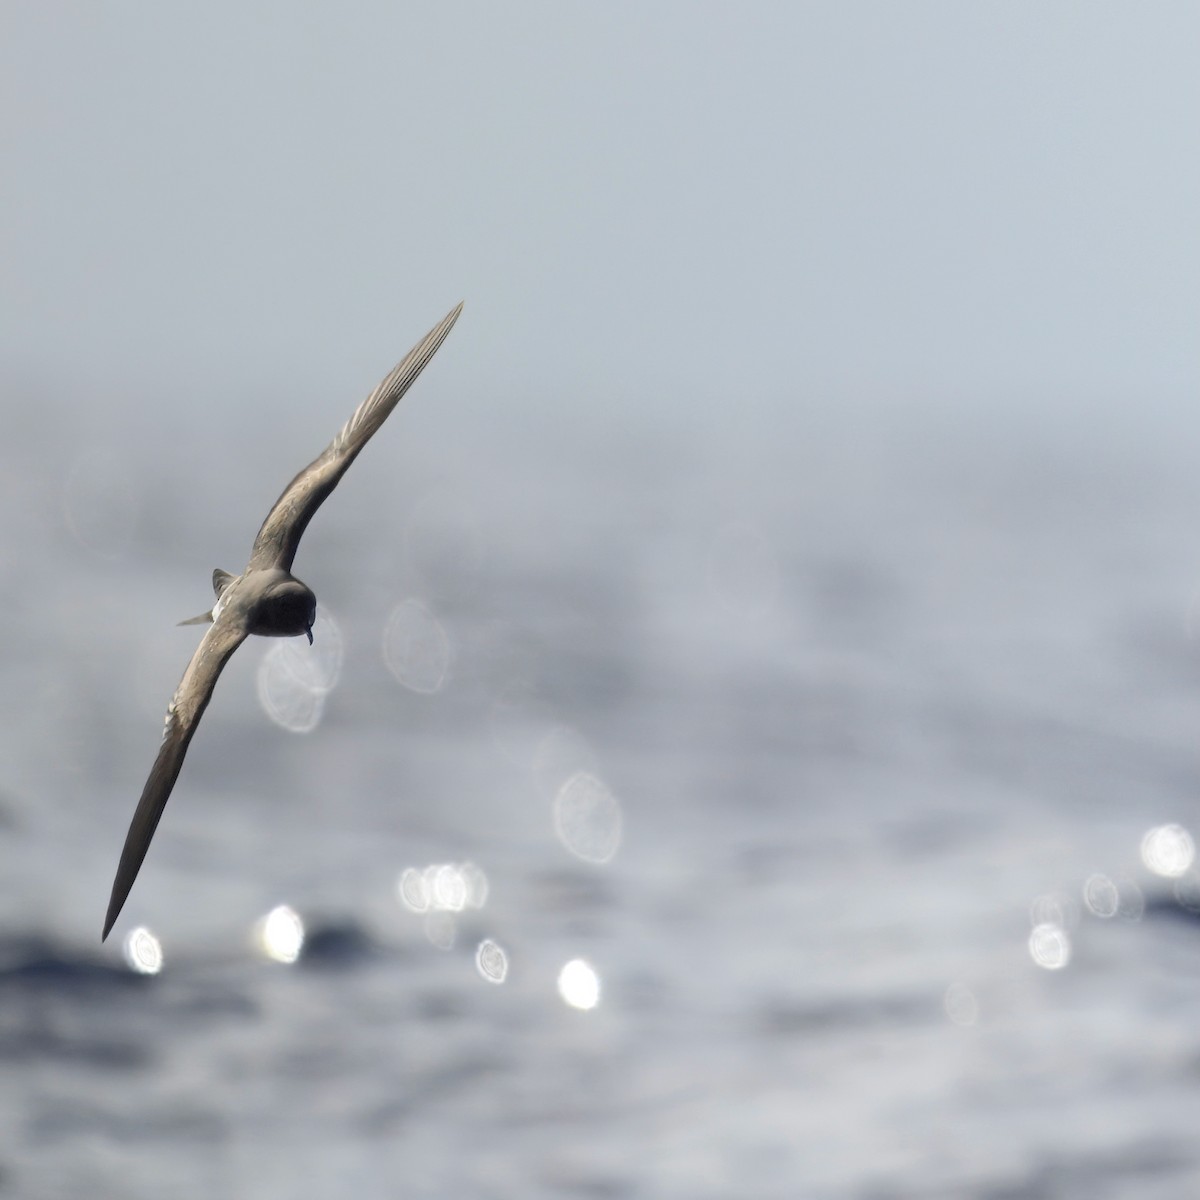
x=183, y=714
x=275, y=545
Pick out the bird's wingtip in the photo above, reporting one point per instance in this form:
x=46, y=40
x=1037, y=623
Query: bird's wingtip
x=114, y=911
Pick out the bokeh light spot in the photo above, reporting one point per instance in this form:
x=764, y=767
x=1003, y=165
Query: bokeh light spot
x=143, y=951
x=579, y=985
x=280, y=934
x=416, y=648
x=587, y=818
x=284, y=698
x=475, y=881
x=294, y=678
x=961, y=1005
x=1101, y=896
x=1055, y=908
x=491, y=962
x=319, y=666
x=1168, y=850
x=1050, y=946
x=442, y=887
x=411, y=890
x=449, y=889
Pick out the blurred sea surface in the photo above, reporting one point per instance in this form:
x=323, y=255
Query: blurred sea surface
x=673, y=814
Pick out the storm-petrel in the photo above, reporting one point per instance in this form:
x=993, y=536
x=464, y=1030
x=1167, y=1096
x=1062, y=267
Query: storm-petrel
x=266, y=599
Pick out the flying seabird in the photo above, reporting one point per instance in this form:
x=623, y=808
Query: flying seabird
x=266, y=599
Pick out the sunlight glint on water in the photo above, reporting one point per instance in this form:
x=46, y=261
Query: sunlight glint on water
x=317, y=667
x=294, y=678
x=143, y=951
x=442, y=887
x=1168, y=850
x=284, y=699
x=579, y=985
x=280, y=934
x=1050, y=946
x=587, y=818
x=961, y=1004
x=416, y=648
x=491, y=961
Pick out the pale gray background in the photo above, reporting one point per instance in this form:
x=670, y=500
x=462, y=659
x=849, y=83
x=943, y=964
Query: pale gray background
x=814, y=461
x=694, y=211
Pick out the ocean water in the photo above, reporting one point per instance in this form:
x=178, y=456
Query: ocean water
x=684, y=816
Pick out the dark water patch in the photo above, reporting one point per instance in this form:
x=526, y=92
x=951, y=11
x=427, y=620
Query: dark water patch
x=853, y=602
x=786, y=1018
x=338, y=944
x=33, y=963
x=589, y=1186
x=932, y=834
x=1095, y=1174
x=1081, y=764
x=1109, y=1173
x=420, y=1091
x=1181, y=911
x=33, y=1042
x=8, y=811
x=211, y=1001
x=1161, y=648
x=442, y=1004
x=67, y=1121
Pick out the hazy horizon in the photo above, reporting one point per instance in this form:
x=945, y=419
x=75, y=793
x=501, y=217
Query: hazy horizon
x=688, y=212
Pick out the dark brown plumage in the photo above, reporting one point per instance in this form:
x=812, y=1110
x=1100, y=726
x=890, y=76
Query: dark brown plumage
x=266, y=599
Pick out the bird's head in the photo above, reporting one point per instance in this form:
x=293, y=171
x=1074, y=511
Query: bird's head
x=286, y=608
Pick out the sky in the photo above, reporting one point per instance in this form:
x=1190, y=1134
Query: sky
x=718, y=214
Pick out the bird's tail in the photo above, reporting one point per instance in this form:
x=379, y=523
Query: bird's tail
x=221, y=580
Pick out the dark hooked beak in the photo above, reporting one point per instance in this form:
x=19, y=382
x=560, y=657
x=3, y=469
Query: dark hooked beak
x=309, y=632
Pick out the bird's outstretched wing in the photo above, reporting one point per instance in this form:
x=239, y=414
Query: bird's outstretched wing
x=275, y=545
x=183, y=715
